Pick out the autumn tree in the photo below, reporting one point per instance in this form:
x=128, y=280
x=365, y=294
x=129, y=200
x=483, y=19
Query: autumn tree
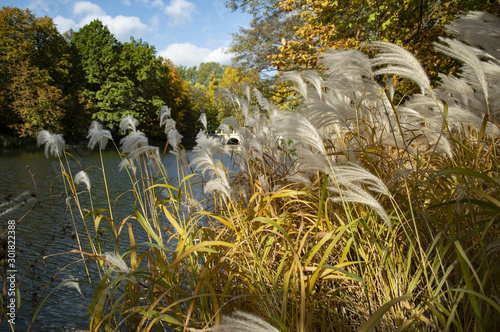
x=219, y=107
x=34, y=73
x=176, y=94
x=347, y=24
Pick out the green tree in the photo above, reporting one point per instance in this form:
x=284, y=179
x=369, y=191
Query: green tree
x=254, y=46
x=98, y=53
x=187, y=74
x=202, y=74
x=34, y=73
x=208, y=71
x=120, y=78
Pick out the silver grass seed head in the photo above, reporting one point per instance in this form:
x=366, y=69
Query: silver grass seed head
x=472, y=67
x=82, y=177
x=129, y=122
x=225, y=128
x=398, y=61
x=182, y=155
x=170, y=124
x=54, y=143
x=174, y=139
x=243, y=322
x=133, y=141
x=232, y=122
x=116, y=261
x=298, y=129
x=164, y=114
x=73, y=283
x=478, y=29
x=128, y=164
x=203, y=120
x=154, y=159
x=220, y=184
x=204, y=152
x=97, y=135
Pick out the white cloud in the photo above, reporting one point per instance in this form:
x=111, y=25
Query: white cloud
x=157, y=3
x=179, y=11
x=189, y=55
x=63, y=23
x=219, y=55
x=85, y=12
x=124, y=26
x=87, y=8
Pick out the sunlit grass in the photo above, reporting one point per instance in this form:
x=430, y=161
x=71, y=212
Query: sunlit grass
x=362, y=212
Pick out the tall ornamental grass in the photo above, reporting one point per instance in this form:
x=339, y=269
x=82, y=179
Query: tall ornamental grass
x=361, y=212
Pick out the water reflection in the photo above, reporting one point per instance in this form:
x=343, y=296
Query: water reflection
x=47, y=230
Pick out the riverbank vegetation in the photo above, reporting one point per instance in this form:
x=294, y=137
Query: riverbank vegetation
x=361, y=212
x=371, y=206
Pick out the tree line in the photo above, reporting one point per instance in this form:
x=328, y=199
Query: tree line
x=62, y=82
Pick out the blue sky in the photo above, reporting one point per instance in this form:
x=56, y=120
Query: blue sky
x=186, y=31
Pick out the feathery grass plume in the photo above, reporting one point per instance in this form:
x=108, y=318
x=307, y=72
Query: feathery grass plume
x=203, y=120
x=225, y=129
x=476, y=89
x=398, y=61
x=170, y=125
x=128, y=122
x=232, y=122
x=54, y=143
x=174, y=139
x=82, y=177
x=154, y=159
x=97, y=135
x=243, y=322
x=151, y=153
x=220, y=183
x=264, y=103
x=164, y=114
x=349, y=76
x=116, y=261
x=243, y=104
x=204, y=152
x=133, y=141
x=73, y=283
x=478, y=29
x=472, y=68
x=349, y=183
x=301, y=86
x=298, y=129
x=165, y=120
x=129, y=164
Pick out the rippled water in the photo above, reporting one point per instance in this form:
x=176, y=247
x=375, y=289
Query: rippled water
x=47, y=231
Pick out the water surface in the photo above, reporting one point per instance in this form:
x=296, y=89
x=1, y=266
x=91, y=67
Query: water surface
x=47, y=230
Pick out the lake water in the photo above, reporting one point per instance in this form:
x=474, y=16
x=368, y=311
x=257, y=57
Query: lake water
x=47, y=230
